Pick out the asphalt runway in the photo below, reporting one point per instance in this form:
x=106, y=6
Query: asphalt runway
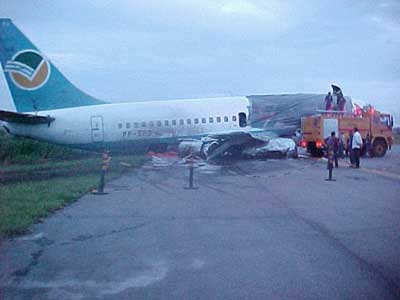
x=270, y=229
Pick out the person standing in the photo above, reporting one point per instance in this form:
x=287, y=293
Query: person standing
x=341, y=145
x=328, y=102
x=349, y=140
x=333, y=147
x=368, y=145
x=356, y=147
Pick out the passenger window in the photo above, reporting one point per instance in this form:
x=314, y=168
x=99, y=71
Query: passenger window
x=151, y=124
x=128, y=125
x=234, y=118
x=159, y=123
x=136, y=124
x=211, y=119
x=196, y=121
x=218, y=119
x=143, y=124
x=120, y=125
x=203, y=120
x=226, y=119
x=189, y=121
x=181, y=122
x=173, y=122
x=242, y=120
x=166, y=123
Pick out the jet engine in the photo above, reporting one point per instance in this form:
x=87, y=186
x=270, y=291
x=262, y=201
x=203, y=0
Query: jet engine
x=191, y=146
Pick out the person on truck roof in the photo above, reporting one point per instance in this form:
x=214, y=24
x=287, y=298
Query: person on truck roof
x=328, y=101
x=341, y=103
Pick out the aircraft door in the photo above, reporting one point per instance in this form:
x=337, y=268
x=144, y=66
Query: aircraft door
x=242, y=119
x=97, y=128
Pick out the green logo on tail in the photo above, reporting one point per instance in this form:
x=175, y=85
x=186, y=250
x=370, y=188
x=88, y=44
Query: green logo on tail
x=28, y=69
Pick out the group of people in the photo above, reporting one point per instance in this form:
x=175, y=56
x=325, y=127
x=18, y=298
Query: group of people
x=340, y=102
x=335, y=147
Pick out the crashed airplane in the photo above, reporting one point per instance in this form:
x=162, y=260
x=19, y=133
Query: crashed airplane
x=44, y=105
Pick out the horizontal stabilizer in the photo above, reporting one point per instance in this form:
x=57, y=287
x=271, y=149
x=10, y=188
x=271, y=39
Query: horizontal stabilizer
x=14, y=117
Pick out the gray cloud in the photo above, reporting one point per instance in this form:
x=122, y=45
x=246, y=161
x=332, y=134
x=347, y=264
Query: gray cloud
x=138, y=50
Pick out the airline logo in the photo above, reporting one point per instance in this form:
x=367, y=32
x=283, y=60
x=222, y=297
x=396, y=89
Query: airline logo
x=28, y=69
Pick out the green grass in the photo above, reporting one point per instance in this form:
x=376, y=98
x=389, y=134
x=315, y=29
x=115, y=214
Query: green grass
x=25, y=151
x=54, y=168
x=23, y=203
x=37, y=178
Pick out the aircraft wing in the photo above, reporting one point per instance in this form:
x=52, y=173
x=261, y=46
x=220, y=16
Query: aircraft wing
x=256, y=133
x=15, y=117
x=228, y=139
x=217, y=143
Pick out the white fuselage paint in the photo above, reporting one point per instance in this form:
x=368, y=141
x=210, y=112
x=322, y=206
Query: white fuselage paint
x=125, y=121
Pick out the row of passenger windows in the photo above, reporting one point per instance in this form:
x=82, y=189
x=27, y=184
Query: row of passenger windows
x=176, y=122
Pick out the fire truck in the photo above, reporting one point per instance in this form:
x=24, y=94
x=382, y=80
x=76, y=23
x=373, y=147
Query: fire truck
x=317, y=128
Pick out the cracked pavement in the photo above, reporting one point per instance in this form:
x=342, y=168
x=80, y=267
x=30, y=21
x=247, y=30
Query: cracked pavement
x=252, y=230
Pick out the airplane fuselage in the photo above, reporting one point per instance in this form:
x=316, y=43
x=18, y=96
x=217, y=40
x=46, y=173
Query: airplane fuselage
x=139, y=122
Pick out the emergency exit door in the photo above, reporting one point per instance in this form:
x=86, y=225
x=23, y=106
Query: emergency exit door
x=97, y=128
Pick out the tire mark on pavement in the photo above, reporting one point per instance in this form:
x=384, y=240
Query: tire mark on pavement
x=86, y=237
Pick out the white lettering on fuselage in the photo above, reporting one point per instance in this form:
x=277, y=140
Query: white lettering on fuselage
x=168, y=127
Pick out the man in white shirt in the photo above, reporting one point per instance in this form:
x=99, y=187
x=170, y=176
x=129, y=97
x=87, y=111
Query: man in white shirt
x=356, y=146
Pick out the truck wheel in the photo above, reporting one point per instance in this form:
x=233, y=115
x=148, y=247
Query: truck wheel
x=380, y=147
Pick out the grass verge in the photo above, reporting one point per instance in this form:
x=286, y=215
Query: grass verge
x=22, y=203
x=37, y=178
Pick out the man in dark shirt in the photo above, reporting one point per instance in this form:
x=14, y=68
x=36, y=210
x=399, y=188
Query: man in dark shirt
x=332, y=144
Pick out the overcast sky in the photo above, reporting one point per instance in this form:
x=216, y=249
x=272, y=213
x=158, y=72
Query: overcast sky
x=140, y=50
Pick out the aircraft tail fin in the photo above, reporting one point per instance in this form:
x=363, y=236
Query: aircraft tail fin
x=34, y=82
